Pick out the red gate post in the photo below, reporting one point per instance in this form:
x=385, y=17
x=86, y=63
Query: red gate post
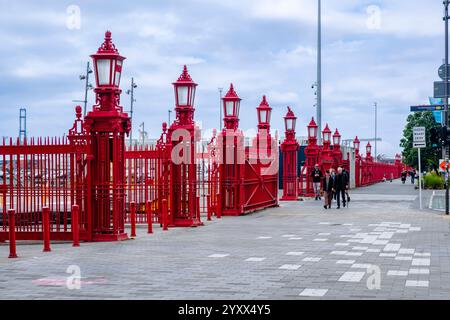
x=208, y=209
x=183, y=168
x=165, y=217
x=75, y=225
x=219, y=206
x=312, y=157
x=12, y=233
x=46, y=228
x=326, y=160
x=107, y=125
x=148, y=208
x=356, y=145
x=337, y=153
x=232, y=157
x=289, y=148
x=133, y=219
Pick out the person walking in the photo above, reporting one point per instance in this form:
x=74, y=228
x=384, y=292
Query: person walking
x=333, y=176
x=404, y=176
x=316, y=176
x=413, y=175
x=328, y=187
x=347, y=178
x=340, y=186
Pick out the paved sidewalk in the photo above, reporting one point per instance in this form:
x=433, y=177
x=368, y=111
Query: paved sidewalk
x=296, y=251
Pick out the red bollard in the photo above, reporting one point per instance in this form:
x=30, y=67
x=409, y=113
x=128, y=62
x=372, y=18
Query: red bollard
x=198, y=208
x=133, y=218
x=148, y=208
x=208, y=209
x=12, y=233
x=75, y=226
x=219, y=207
x=46, y=228
x=165, y=214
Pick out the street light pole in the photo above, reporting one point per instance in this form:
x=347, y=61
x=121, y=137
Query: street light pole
x=319, y=67
x=87, y=87
x=376, y=129
x=170, y=111
x=445, y=149
x=131, y=93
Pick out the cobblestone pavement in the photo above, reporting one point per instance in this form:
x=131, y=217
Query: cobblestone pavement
x=296, y=251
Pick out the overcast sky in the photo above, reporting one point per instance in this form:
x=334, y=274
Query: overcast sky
x=384, y=51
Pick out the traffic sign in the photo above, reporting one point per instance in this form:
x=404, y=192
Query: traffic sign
x=441, y=72
x=419, y=137
x=433, y=107
x=439, y=89
x=443, y=165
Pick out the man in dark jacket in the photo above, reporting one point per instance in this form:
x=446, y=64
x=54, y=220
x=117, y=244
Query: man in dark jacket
x=340, y=186
x=328, y=185
x=316, y=176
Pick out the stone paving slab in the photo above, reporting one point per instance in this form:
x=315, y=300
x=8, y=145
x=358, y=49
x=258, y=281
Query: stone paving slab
x=270, y=254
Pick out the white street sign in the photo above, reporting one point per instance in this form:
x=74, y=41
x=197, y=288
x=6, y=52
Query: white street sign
x=419, y=140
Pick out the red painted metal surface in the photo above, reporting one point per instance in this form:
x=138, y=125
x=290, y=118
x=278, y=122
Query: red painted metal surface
x=46, y=228
x=289, y=148
x=12, y=234
x=75, y=225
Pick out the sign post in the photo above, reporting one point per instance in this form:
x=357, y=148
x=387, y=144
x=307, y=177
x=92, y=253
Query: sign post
x=419, y=142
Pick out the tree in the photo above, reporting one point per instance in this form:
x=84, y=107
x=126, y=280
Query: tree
x=429, y=156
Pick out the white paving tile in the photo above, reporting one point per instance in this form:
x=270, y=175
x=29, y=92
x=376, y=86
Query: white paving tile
x=406, y=251
x=416, y=283
x=341, y=244
x=386, y=235
x=255, y=259
x=380, y=242
x=338, y=252
x=397, y=273
x=218, y=255
x=354, y=254
x=311, y=259
x=392, y=247
x=290, y=266
x=355, y=240
x=415, y=229
x=402, y=231
x=360, y=248
x=420, y=262
x=355, y=230
x=351, y=276
x=419, y=271
x=422, y=254
x=403, y=258
x=320, y=240
x=387, y=254
x=324, y=222
x=347, y=224
x=373, y=250
x=324, y=234
x=295, y=238
x=405, y=225
x=264, y=237
x=288, y=235
x=345, y=261
x=295, y=253
x=308, y=292
x=361, y=265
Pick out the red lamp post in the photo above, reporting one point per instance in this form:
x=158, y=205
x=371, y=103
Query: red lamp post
x=337, y=153
x=183, y=171
x=289, y=148
x=264, y=114
x=368, y=152
x=325, y=154
x=106, y=126
x=356, y=146
x=232, y=170
x=312, y=157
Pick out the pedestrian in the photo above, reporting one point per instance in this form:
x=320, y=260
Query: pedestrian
x=328, y=187
x=340, y=186
x=404, y=176
x=413, y=175
x=347, y=178
x=333, y=176
x=316, y=176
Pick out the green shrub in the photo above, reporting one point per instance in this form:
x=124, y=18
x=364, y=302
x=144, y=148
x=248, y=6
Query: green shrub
x=433, y=181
